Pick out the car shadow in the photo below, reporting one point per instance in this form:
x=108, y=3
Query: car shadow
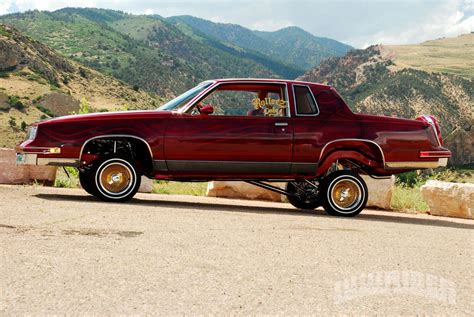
x=388, y=217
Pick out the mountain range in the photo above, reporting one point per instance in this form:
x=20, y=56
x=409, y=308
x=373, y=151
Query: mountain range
x=435, y=77
x=168, y=55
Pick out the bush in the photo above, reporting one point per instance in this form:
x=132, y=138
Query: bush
x=23, y=126
x=15, y=102
x=408, y=179
x=408, y=198
x=12, y=122
x=45, y=111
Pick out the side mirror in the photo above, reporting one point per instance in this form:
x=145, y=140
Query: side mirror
x=207, y=110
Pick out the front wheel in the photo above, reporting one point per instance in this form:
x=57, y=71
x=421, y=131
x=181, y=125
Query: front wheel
x=114, y=179
x=345, y=194
x=85, y=181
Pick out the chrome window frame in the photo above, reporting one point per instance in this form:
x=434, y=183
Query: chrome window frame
x=296, y=105
x=216, y=85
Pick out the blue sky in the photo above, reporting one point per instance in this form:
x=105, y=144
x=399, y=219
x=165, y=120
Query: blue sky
x=358, y=23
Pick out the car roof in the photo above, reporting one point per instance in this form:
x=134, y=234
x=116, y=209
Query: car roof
x=268, y=80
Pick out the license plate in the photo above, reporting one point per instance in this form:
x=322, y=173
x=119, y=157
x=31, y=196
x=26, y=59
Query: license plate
x=20, y=159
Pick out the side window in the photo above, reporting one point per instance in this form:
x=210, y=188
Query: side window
x=266, y=100
x=305, y=103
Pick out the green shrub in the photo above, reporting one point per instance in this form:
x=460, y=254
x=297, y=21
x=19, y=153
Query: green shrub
x=4, y=74
x=12, y=122
x=62, y=179
x=15, y=102
x=45, y=110
x=408, y=199
x=180, y=188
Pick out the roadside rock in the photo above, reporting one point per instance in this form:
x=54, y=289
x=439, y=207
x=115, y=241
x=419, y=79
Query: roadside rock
x=242, y=190
x=461, y=143
x=449, y=199
x=380, y=192
x=59, y=104
x=10, y=173
x=146, y=185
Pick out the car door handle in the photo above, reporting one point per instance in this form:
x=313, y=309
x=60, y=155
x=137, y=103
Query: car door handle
x=281, y=124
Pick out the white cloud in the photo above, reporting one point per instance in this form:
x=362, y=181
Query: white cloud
x=357, y=22
x=450, y=20
x=270, y=25
x=5, y=6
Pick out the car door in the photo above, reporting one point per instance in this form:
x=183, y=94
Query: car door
x=248, y=135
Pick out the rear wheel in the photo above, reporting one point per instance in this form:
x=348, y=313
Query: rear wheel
x=345, y=194
x=306, y=195
x=114, y=179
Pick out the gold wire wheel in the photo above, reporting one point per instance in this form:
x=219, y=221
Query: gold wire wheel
x=346, y=193
x=116, y=178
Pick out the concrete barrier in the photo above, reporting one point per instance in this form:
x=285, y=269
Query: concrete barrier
x=10, y=173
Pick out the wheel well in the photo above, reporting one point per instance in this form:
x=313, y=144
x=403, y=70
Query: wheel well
x=354, y=158
x=133, y=148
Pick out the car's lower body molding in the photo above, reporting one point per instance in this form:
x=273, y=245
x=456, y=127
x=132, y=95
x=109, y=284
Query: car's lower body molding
x=229, y=167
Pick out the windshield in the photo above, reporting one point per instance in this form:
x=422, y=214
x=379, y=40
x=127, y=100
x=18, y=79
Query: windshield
x=180, y=101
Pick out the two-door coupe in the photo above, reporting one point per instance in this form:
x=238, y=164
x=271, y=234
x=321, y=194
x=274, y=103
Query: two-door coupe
x=254, y=130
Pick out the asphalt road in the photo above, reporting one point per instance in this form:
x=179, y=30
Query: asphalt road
x=63, y=251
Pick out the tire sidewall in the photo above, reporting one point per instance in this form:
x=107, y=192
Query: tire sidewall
x=128, y=193
x=331, y=207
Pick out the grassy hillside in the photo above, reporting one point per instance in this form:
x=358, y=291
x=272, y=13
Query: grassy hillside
x=36, y=83
x=373, y=81
x=292, y=45
x=448, y=55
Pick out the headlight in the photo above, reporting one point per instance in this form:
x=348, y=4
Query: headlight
x=31, y=134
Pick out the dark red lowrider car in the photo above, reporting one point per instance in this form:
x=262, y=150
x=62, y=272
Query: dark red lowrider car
x=252, y=130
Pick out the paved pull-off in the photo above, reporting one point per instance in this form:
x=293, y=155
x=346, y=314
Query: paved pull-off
x=62, y=251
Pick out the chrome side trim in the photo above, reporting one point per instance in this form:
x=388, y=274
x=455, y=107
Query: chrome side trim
x=105, y=136
x=296, y=106
x=360, y=140
x=57, y=161
x=215, y=85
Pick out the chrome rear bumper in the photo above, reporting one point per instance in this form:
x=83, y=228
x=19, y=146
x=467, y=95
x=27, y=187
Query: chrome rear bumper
x=441, y=162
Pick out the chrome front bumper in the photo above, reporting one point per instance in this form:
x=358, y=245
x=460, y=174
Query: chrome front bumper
x=33, y=159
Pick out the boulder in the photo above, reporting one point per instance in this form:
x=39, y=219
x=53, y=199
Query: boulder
x=380, y=191
x=449, y=199
x=10, y=173
x=146, y=185
x=242, y=190
x=461, y=143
